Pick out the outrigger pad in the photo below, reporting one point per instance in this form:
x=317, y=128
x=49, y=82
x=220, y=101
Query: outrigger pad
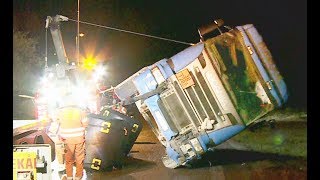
x=110, y=137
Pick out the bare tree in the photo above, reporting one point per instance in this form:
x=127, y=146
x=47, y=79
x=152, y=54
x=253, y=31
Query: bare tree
x=26, y=71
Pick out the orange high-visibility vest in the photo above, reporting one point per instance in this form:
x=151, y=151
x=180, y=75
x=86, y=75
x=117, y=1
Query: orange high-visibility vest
x=73, y=122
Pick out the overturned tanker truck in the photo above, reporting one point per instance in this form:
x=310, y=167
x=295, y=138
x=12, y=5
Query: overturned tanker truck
x=207, y=93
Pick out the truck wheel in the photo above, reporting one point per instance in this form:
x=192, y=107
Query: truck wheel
x=39, y=140
x=272, y=123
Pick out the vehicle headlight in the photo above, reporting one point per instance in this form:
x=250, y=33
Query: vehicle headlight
x=196, y=144
x=187, y=150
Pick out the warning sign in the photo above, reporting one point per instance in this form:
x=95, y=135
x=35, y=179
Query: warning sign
x=24, y=166
x=185, y=79
x=32, y=161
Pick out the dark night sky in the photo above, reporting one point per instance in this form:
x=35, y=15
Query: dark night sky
x=282, y=24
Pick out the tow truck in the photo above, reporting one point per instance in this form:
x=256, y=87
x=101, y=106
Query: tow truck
x=103, y=123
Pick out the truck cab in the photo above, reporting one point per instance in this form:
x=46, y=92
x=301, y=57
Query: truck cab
x=207, y=93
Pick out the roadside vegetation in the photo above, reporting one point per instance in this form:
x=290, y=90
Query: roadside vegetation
x=288, y=136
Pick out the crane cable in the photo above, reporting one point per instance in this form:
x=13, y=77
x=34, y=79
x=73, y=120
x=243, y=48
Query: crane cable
x=131, y=32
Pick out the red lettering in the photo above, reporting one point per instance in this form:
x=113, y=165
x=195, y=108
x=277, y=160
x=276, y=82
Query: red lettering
x=20, y=163
x=29, y=163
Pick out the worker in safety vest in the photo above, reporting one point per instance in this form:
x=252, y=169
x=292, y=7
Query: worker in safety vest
x=73, y=121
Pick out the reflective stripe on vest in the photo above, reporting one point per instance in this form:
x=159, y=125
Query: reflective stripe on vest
x=72, y=135
x=72, y=132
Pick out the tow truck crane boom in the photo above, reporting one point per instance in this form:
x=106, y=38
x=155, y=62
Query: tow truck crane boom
x=54, y=24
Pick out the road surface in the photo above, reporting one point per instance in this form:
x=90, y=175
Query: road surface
x=229, y=161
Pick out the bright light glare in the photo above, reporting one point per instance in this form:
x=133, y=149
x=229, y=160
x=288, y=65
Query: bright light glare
x=89, y=63
x=51, y=75
x=99, y=72
x=51, y=94
x=84, y=95
x=44, y=80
